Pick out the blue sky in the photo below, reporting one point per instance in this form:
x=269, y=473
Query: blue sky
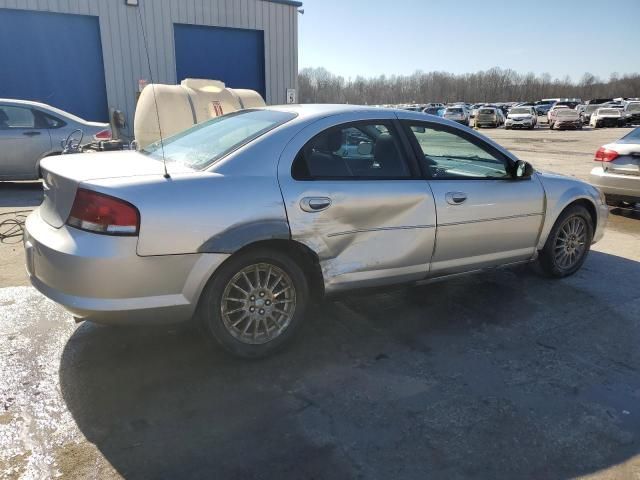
x=562, y=37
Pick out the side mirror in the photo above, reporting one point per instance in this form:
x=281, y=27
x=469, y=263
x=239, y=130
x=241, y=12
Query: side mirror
x=365, y=148
x=522, y=169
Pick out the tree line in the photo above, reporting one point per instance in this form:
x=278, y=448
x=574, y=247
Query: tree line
x=318, y=85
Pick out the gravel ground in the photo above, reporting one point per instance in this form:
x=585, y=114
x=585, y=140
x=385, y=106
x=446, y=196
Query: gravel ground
x=502, y=375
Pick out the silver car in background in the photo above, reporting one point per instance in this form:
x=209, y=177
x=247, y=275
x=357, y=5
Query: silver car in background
x=263, y=209
x=31, y=131
x=457, y=114
x=618, y=175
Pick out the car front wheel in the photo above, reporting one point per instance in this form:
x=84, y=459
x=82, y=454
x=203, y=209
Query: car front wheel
x=568, y=243
x=254, y=303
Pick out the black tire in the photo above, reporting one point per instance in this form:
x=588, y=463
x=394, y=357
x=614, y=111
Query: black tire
x=210, y=310
x=548, y=259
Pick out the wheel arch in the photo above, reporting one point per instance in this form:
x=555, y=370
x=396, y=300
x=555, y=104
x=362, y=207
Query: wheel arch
x=583, y=201
x=306, y=259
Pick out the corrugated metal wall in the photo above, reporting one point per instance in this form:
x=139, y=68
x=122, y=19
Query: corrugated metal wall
x=125, y=58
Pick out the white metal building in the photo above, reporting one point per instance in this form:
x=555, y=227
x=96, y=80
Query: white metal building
x=86, y=56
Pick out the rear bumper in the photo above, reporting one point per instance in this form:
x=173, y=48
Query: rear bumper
x=611, y=122
x=571, y=125
x=526, y=124
x=627, y=186
x=102, y=279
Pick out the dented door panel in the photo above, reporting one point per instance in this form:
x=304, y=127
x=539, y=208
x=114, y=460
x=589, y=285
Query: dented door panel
x=374, y=232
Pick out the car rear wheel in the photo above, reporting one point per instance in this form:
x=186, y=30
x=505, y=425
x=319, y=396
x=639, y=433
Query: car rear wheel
x=568, y=243
x=255, y=303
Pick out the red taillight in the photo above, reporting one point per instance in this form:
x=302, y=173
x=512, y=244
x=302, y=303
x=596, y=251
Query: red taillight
x=103, y=135
x=605, y=155
x=101, y=213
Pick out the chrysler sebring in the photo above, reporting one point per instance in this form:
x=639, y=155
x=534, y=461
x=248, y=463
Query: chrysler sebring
x=260, y=210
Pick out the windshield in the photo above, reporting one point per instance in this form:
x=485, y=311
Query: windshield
x=567, y=113
x=518, y=111
x=591, y=108
x=203, y=144
x=633, y=107
x=609, y=111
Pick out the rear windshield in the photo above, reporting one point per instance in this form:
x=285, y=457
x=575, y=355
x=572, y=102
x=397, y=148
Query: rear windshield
x=633, y=137
x=203, y=144
x=520, y=110
x=490, y=111
x=453, y=110
x=609, y=111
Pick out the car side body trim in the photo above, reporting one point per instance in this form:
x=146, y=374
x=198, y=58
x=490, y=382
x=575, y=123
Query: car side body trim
x=492, y=219
x=366, y=230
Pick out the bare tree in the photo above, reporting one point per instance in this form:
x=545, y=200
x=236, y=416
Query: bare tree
x=318, y=85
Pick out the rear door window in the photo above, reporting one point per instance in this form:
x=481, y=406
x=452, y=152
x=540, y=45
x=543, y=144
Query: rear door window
x=16, y=117
x=365, y=150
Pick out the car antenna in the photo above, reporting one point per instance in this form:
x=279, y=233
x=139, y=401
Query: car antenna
x=153, y=90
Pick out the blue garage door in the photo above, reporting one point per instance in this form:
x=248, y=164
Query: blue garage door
x=53, y=58
x=232, y=55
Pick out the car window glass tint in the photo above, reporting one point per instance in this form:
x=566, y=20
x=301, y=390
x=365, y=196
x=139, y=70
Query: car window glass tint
x=363, y=150
x=16, y=117
x=52, y=122
x=450, y=156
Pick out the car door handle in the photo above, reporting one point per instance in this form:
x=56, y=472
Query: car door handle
x=315, y=204
x=456, y=198
x=31, y=134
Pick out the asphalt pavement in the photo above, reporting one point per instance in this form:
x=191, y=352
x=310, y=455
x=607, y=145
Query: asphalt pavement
x=500, y=375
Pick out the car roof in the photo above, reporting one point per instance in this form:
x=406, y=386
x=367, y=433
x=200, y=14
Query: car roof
x=43, y=106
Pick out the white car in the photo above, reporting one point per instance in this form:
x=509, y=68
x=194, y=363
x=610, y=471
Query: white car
x=521, y=117
x=607, y=117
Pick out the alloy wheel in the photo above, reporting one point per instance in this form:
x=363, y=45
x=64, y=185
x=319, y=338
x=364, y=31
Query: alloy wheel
x=258, y=303
x=571, y=242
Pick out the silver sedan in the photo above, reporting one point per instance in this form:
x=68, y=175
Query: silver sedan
x=31, y=131
x=618, y=175
x=261, y=210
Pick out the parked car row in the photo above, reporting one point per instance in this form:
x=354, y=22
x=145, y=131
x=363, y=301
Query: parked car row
x=606, y=112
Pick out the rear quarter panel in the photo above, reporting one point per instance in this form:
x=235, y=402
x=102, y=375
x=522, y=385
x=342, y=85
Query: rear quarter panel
x=181, y=214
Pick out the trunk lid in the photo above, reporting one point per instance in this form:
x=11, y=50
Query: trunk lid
x=628, y=162
x=62, y=175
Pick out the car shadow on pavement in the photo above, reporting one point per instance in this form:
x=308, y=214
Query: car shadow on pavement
x=500, y=375
x=20, y=194
x=631, y=211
